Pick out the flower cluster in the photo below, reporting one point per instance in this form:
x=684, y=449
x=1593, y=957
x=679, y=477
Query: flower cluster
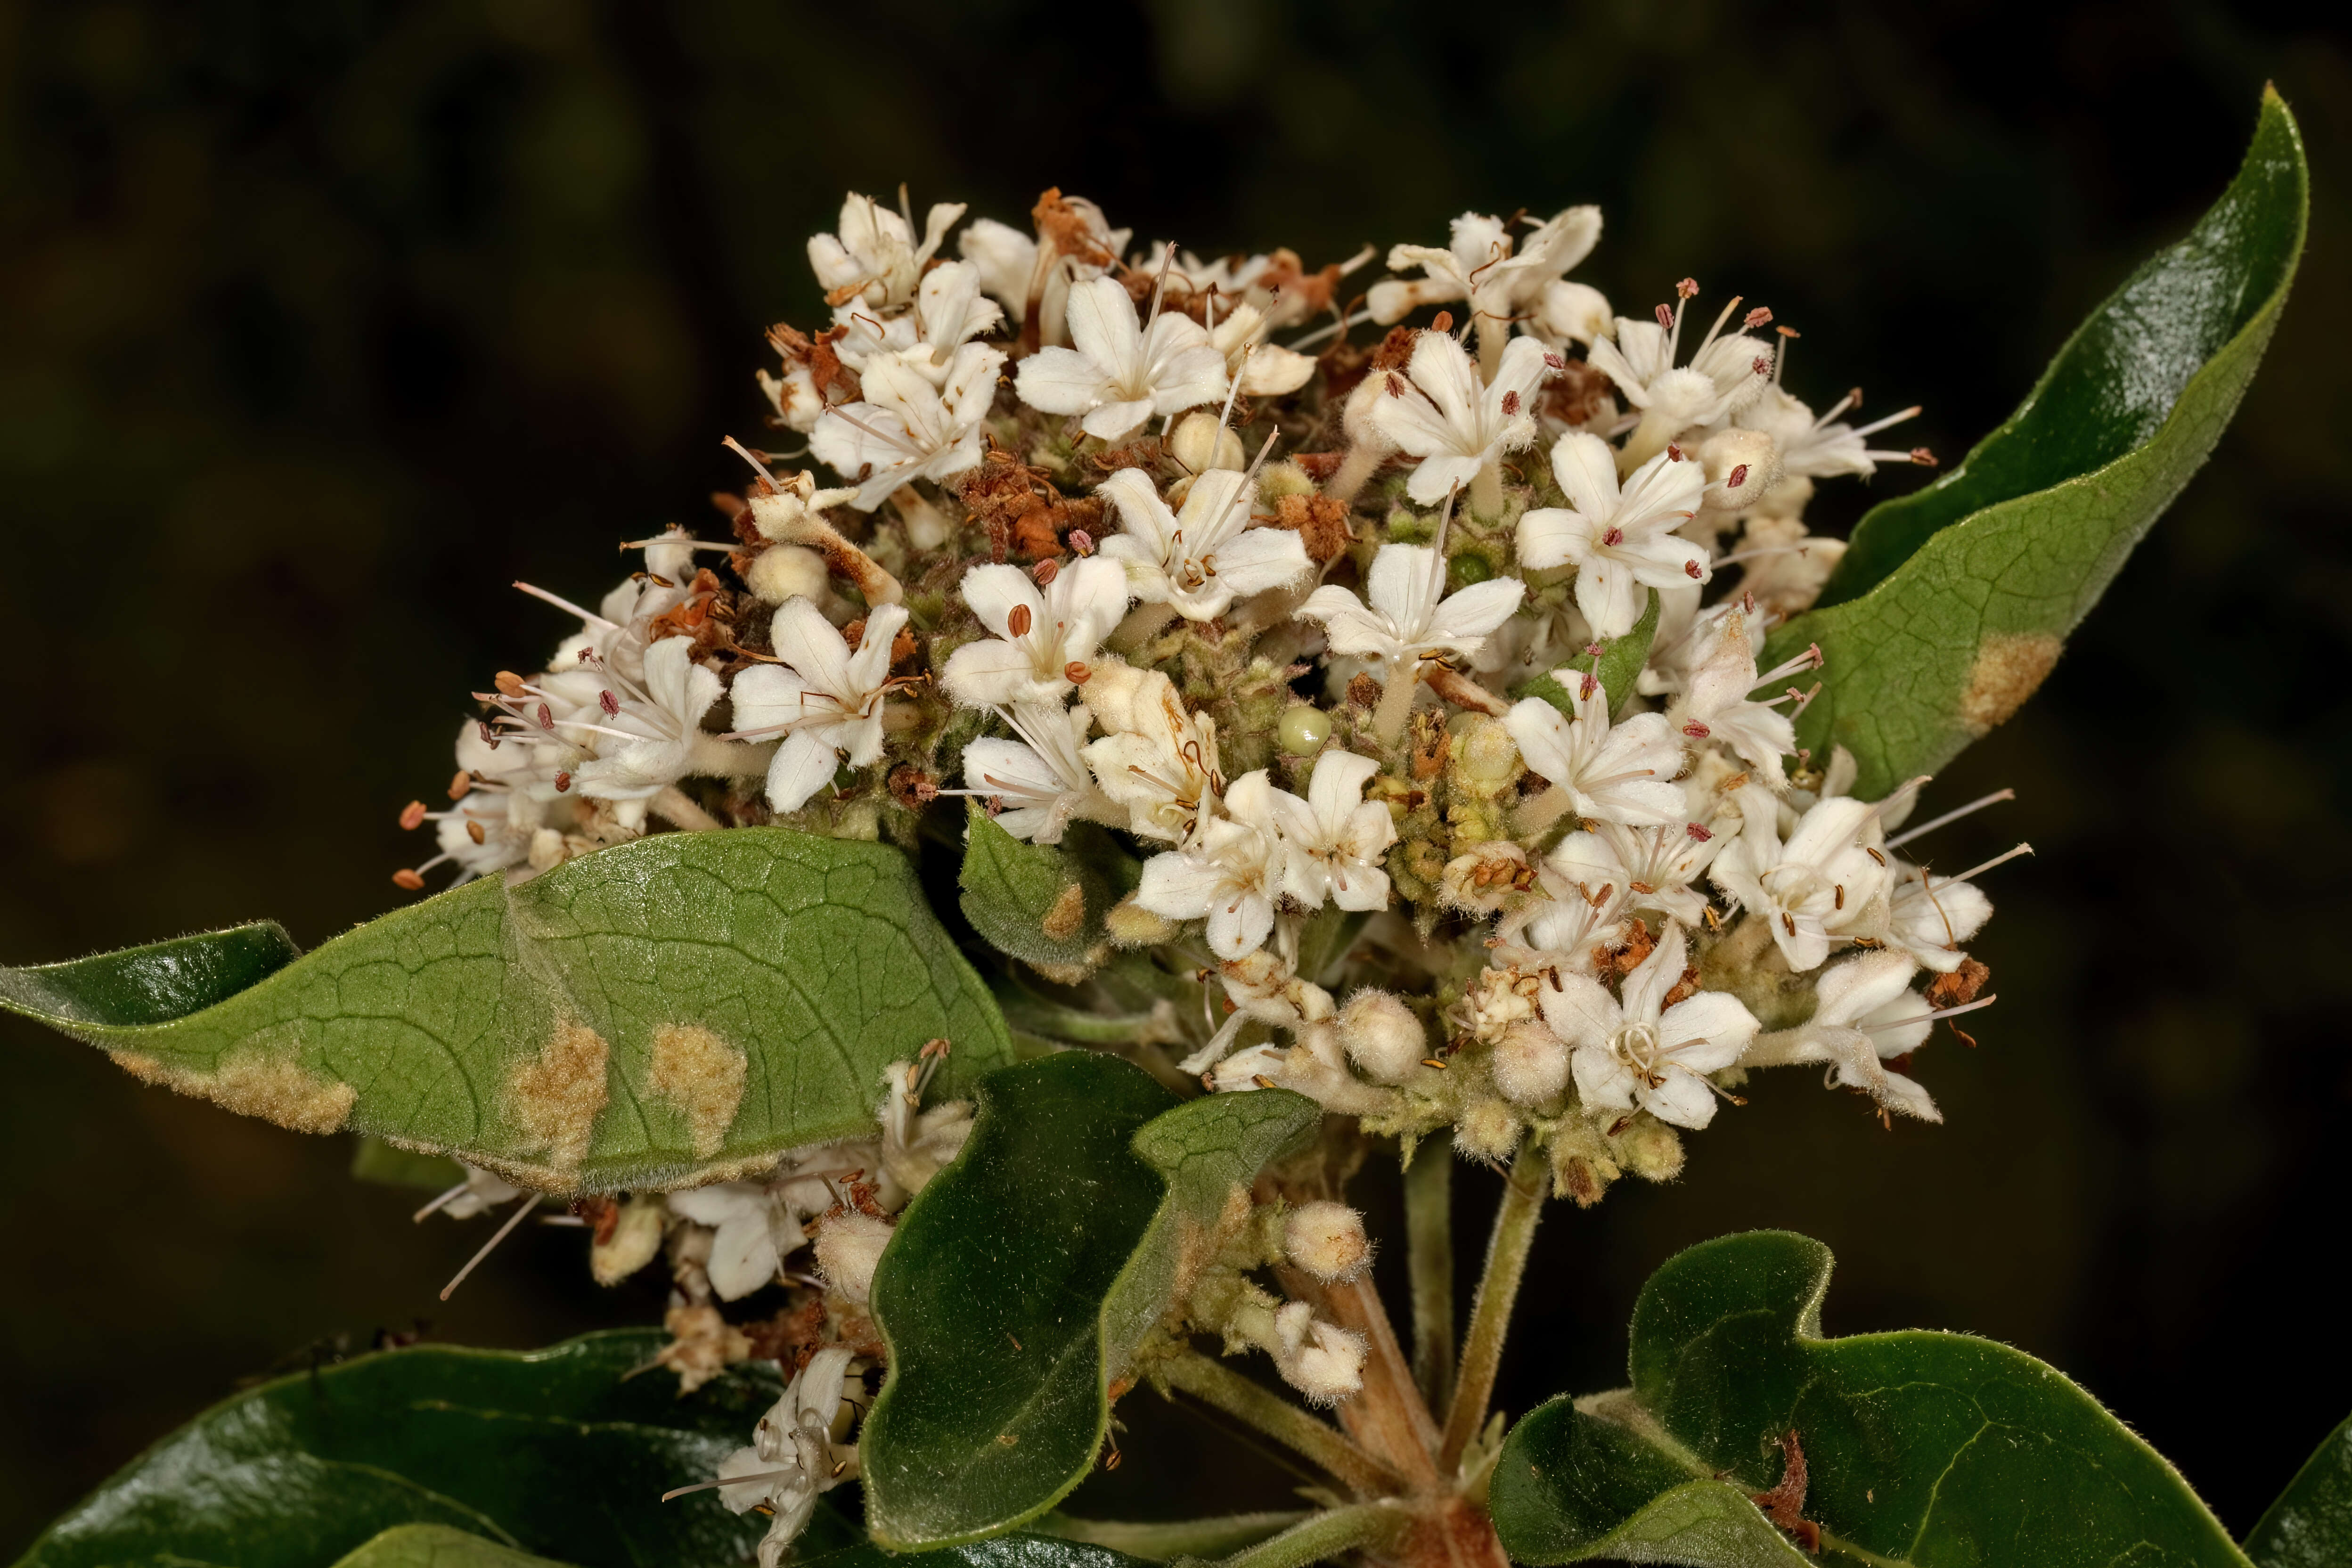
x=1420, y=669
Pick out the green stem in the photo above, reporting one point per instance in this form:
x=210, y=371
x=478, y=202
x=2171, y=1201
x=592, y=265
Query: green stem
x=1215, y=1384
x=1326, y=1535
x=1159, y=1541
x=1429, y=1257
x=1498, y=1291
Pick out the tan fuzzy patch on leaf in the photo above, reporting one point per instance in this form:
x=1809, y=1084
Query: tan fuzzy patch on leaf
x=702, y=1075
x=2009, y=669
x=1068, y=913
x=275, y=1089
x=554, y=1097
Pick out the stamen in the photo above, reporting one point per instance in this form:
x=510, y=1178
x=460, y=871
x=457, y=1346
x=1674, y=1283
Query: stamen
x=1908, y=833
x=753, y=1479
x=435, y=1207
x=529, y=1203
x=1980, y=870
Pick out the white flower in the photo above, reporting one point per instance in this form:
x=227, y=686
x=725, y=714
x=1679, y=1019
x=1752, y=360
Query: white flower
x=1479, y=265
x=948, y=309
x=792, y=1457
x=1639, y=1052
x=1622, y=772
x=1618, y=540
x=1408, y=620
x=1335, y=838
x=1827, y=881
x=647, y=732
x=1456, y=423
x=1259, y=368
x=1038, y=635
x=1228, y=875
x=1930, y=917
x=1156, y=760
x=1715, y=706
x=1120, y=373
x=1723, y=377
x=822, y=697
x=1008, y=258
x=1865, y=1014
x=1782, y=567
x=909, y=427
x=1826, y=447
x=874, y=256
x=1648, y=867
x=1203, y=558
x=754, y=1234
x=1035, y=786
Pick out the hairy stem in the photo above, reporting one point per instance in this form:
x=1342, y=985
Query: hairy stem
x=1387, y=1418
x=1215, y=1384
x=1326, y=1535
x=1160, y=1539
x=1429, y=1257
x=1498, y=1291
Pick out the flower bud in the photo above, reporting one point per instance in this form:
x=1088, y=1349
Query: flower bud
x=848, y=1245
x=1741, y=466
x=785, y=572
x=1488, y=1130
x=1485, y=758
x=1323, y=1362
x=636, y=1237
x=1201, y=442
x=1131, y=925
x=1530, y=1064
x=1382, y=1036
x=1327, y=1239
x=1649, y=1149
x=1576, y=311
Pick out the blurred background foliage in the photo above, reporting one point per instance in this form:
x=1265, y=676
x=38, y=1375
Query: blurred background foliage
x=320, y=323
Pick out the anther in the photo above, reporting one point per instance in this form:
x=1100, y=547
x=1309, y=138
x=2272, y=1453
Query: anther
x=1698, y=834
x=609, y=703
x=1691, y=570
x=1075, y=673
x=1510, y=405
x=1922, y=456
x=411, y=815
x=508, y=683
x=1082, y=541
x=474, y=831
x=1445, y=322
x=1018, y=622
x=1045, y=571
x=562, y=783
x=1738, y=477
x=1666, y=316
x=407, y=879
x=1696, y=731
x=461, y=784
x=1614, y=536
x=546, y=717
x=1756, y=317
x=1687, y=288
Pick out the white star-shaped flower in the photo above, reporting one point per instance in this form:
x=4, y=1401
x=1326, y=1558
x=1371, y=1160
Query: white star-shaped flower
x=1443, y=413
x=1200, y=559
x=1035, y=786
x=1118, y=372
x=1335, y=837
x=873, y=256
x=1229, y=875
x=1039, y=635
x=949, y=310
x=1827, y=881
x=1411, y=617
x=823, y=699
x=1865, y=1014
x=1619, y=540
x=1617, y=772
x=909, y=427
x=1724, y=376
x=1638, y=1051
x=1647, y=868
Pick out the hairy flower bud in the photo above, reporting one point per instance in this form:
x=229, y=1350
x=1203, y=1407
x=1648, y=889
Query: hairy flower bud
x=636, y=1237
x=1321, y=1361
x=1382, y=1036
x=1327, y=1239
x=1649, y=1149
x=1131, y=925
x=848, y=1245
x=1529, y=1065
x=1489, y=1131
x=1485, y=758
x=783, y=572
x=1201, y=442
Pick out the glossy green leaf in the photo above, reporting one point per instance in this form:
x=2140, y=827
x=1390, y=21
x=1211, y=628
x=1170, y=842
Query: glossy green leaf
x=2310, y=1525
x=681, y=1007
x=437, y=1546
x=1921, y=1448
x=1619, y=665
x=1023, y=1276
x=556, y=1453
x=1953, y=603
x=1001, y=1552
x=1043, y=904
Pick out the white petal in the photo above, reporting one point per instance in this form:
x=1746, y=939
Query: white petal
x=803, y=765
x=1261, y=559
x=1059, y=380
x=1586, y=467
x=1102, y=326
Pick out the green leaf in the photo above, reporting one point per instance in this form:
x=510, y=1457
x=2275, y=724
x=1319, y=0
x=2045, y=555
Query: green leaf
x=2310, y=1525
x=684, y=1006
x=556, y=1453
x=1930, y=1448
x=437, y=1546
x=1952, y=604
x=1618, y=664
x=1023, y=1276
x=1041, y=904
x=1003, y=1551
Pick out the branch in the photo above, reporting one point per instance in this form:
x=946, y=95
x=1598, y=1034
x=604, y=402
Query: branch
x=1328, y=1535
x=1215, y=1384
x=1498, y=1289
x=1428, y=1258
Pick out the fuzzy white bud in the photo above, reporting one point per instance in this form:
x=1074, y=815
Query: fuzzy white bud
x=1576, y=311
x=1530, y=1064
x=636, y=1237
x=1201, y=442
x=1327, y=1239
x=848, y=1245
x=1321, y=1361
x=1488, y=1130
x=785, y=572
x=1741, y=467
x=1382, y=1036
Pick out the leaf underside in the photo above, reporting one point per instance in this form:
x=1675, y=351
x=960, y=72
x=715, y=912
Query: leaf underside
x=1023, y=1277
x=1952, y=604
x=1040, y=903
x=1922, y=1448
x=683, y=1006
x=2310, y=1525
x=550, y=1453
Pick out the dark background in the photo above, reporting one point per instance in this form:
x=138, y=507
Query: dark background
x=320, y=323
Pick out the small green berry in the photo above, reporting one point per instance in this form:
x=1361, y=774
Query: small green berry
x=1467, y=568
x=1304, y=730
